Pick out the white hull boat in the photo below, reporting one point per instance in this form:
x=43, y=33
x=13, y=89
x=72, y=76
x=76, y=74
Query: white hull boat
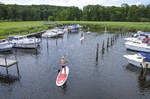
x=24, y=42
x=53, y=33
x=133, y=39
x=5, y=45
x=50, y=34
x=136, y=60
x=143, y=47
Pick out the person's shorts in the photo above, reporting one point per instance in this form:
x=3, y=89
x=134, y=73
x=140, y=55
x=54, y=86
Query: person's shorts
x=63, y=65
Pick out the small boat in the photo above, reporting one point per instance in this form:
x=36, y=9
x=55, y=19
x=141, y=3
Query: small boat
x=5, y=45
x=143, y=47
x=62, y=77
x=133, y=39
x=20, y=41
x=50, y=35
x=88, y=32
x=53, y=33
x=137, y=59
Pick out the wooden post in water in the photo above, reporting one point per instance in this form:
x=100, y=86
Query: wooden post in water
x=103, y=48
x=144, y=69
x=111, y=41
x=97, y=50
x=107, y=42
x=17, y=69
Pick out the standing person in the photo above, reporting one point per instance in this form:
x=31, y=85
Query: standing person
x=63, y=64
x=146, y=39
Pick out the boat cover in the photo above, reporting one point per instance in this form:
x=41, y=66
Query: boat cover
x=146, y=55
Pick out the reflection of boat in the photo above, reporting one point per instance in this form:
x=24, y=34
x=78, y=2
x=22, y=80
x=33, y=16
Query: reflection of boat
x=137, y=59
x=19, y=41
x=143, y=80
x=8, y=79
x=137, y=46
x=5, y=45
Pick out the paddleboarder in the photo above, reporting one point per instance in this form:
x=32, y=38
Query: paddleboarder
x=63, y=64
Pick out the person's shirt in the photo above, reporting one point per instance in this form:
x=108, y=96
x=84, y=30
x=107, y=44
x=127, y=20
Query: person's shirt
x=146, y=40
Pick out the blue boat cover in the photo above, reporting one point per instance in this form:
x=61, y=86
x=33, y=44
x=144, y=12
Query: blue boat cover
x=146, y=55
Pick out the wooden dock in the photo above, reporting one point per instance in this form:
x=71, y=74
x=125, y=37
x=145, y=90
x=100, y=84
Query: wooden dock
x=36, y=34
x=4, y=62
x=7, y=62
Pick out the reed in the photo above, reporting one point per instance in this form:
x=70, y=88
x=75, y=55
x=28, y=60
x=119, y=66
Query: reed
x=22, y=28
x=128, y=26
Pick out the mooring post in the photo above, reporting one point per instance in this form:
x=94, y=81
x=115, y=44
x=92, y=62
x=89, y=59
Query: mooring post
x=17, y=69
x=47, y=41
x=103, y=48
x=111, y=41
x=107, y=42
x=144, y=68
x=56, y=42
x=145, y=72
x=97, y=50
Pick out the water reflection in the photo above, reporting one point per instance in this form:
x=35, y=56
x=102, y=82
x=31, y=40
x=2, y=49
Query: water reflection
x=143, y=80
x=9, y=79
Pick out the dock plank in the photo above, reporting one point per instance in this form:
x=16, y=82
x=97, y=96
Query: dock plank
x=8, y=63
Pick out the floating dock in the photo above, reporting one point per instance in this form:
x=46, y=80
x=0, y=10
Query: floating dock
x=4, y=62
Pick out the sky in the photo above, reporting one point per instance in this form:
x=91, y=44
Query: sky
x=78, y=3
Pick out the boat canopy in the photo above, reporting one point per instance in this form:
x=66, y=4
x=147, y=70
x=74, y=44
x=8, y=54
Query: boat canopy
x=146, y=55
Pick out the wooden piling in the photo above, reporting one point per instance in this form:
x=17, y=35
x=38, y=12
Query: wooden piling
x=107, y=42
x=144, y=68
x=103, y=48
x=17, y=69
x=97, y=50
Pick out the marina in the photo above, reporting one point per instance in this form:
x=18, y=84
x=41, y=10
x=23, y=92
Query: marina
x=96, y=65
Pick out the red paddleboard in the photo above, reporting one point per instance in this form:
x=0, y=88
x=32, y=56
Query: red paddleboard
x=62, y=77
x=81, y=38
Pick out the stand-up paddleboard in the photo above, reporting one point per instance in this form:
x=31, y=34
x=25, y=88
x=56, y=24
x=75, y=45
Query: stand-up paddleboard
x=62, y=77
x=81, y=38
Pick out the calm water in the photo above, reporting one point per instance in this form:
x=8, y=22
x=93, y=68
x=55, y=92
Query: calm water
x=111, y=78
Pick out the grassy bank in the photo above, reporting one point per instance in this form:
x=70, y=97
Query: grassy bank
x=128, y=26
x=22, y=28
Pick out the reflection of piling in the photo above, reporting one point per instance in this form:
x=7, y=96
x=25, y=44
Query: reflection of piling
x=103, y=49
x=97, y=50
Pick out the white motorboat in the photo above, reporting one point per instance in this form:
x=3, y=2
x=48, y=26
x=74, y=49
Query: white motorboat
x=143, y=47
x=50, y=34
x=5, y=45
x=19, y=41
x=53, y=33
x=133, y=39
x=137, y=60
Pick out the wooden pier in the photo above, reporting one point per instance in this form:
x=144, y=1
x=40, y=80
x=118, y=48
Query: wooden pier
x=4, y=62
x=36, y=34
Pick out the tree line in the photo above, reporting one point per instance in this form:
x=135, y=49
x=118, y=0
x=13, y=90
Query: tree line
x=125, y=12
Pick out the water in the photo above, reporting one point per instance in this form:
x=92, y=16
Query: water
x=111, y=78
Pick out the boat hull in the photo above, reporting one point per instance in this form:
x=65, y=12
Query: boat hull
x=135, y=60
x=137, y=47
